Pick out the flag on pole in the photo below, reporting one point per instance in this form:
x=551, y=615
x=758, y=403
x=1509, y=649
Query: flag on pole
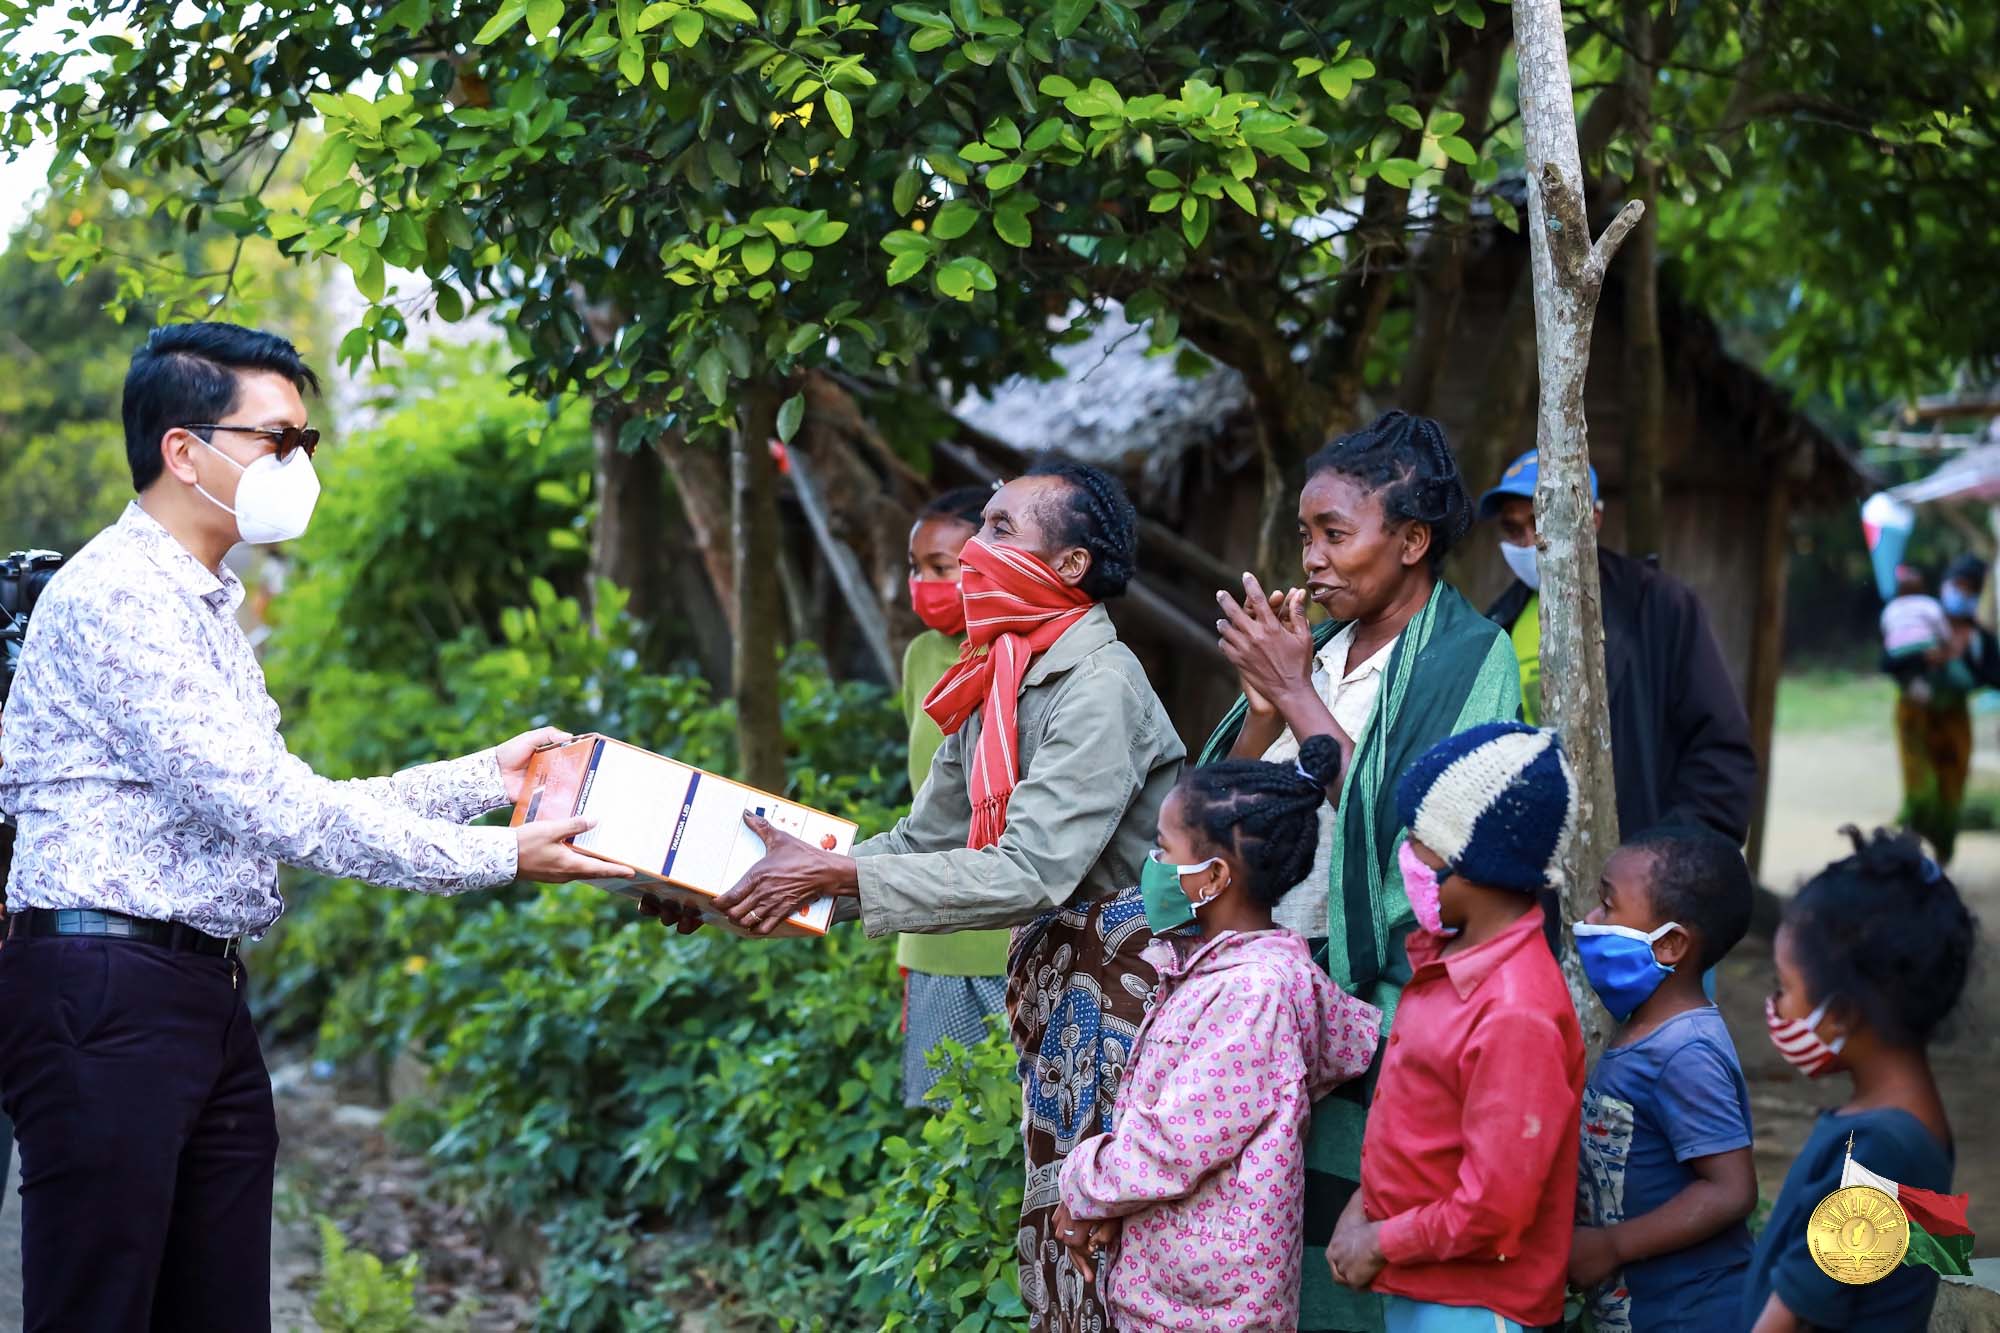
x=1940, y=1236
x=1886, y=523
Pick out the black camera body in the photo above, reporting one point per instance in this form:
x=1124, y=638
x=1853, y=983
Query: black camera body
x=23, y=576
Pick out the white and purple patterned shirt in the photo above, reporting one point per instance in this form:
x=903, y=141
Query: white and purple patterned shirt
x=143, y=763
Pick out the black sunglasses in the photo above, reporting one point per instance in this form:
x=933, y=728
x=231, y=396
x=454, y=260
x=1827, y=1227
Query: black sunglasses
x=288, y=438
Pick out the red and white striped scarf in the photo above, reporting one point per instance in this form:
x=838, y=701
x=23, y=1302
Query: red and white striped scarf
x=1015, y=607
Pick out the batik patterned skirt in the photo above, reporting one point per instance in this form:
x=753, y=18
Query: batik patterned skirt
x=1077, y=991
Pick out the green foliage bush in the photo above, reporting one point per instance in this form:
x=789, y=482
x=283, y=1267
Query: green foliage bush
x=592, y=1075
x=358, y=1293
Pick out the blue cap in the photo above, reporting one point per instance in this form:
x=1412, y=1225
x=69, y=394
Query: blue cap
x=1519, y=479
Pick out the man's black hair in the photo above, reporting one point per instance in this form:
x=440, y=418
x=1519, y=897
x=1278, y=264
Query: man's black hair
x=963, y=504
x=1407, y=461
x=1098, y=518
x=186, y=373
x=1700, y=879
x=1884, y=933
x=1967, y=568
x=1266, y=815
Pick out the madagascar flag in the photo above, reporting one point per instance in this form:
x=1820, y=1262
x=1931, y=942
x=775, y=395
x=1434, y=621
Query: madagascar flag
x=1940, y=1237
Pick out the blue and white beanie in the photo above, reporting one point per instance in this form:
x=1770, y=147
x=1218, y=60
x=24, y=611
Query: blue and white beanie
x=1497, y=802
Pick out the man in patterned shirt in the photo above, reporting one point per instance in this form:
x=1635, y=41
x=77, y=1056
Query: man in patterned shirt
x=156, y=800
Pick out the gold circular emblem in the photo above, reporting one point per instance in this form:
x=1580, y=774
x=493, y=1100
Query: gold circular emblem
x=1858, y=1235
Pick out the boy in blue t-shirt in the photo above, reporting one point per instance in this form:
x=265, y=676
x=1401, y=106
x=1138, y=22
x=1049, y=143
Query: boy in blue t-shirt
x=1666, y=1179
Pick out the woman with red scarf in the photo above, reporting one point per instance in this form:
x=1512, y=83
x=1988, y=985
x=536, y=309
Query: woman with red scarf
x=1039, y=811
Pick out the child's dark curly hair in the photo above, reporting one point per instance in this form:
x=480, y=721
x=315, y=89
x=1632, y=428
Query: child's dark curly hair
x=1407, y=461
x=1099, y=518
x=1699, y=878
x=1264, y=815
x=1885, y=931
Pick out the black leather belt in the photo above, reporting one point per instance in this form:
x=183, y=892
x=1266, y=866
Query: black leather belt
x=90, y=922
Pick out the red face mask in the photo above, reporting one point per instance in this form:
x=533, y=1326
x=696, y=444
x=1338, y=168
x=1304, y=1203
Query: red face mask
x=939, y=605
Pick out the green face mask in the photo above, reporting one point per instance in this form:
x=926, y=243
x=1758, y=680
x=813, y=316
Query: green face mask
x=1168, y=907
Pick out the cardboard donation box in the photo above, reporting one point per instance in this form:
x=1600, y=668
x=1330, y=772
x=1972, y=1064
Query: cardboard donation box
x=680, y=828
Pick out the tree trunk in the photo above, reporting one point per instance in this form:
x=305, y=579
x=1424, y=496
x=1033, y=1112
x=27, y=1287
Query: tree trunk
x=1767, y=643
x=852, y=580
x=753, y=522
x=625, y=545
x=701, y=475
x=1568, y=275
x=1645, y=365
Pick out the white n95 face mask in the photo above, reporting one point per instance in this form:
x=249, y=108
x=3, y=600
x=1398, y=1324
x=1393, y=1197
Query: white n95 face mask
x=274, y=500
x=1521, y=559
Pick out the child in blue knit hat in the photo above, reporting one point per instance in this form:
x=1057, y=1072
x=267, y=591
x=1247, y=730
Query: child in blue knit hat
x=1468, y=1168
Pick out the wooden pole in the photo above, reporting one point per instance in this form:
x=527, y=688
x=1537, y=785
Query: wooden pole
x=1767, y=646
x=1568, y=272
x=847, y=572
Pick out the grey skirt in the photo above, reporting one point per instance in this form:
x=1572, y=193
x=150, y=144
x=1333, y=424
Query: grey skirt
x=940, y=1007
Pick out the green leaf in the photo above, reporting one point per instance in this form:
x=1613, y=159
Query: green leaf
x=1194, y=222
x=711, y=372
x=1005, y=176
x=904, y=196
x=284, y=225
x=955, y=283
x=661, y=74
x=509, y=13
x=1399, y=171
x=1336, y=83
x=1405, y=114
x=1504, y=210
x=923, y=18
x=981, y=154
x=804, y=336
x=1068, y=15
x=907, y=266
x=1458, y=150
x=930, y=39
x=632, y=63
x=842, y=112
x=1165, y=202
x=758, y=256
x=1720, y=158
x=1012, y=227
x=826, y=233
x=731, y=9
x=544, y=16
x=1004, y=133
x=954, y=220
x=793, y=410
x=688, y=27
x=1055, y=85
x=797, y=262
x=907, y=243
x=369, y=278
x=1446, y=122
x=1240, y=192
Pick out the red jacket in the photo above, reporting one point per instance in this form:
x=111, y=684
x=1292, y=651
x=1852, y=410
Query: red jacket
x=1470, y=1156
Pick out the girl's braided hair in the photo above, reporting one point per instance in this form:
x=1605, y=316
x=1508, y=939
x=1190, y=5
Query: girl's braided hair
x=1407, y=461
x=963, y=504
x=1885, y=931
x=1265, y=815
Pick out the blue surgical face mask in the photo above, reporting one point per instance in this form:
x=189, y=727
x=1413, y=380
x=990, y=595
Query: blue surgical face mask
x=1958, y=602
x=1620, y=964
x=1168, y=906
x=1521, y=560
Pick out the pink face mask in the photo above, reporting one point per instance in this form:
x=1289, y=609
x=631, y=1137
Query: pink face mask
x=1798, y=1040
x=1420, y=882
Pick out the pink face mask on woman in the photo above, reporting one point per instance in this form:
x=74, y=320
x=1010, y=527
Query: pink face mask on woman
x=1420, y=882
x=1798, y=1040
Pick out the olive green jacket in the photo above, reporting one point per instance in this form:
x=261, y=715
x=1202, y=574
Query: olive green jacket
x=1098, y=757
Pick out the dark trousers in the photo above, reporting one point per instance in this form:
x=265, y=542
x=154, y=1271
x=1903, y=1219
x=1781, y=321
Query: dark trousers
x=148, y=1140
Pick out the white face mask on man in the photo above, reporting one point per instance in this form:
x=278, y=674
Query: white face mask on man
x=1521, y=559
x=274, y=499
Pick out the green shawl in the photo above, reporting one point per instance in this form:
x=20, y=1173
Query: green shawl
x=1451, y=669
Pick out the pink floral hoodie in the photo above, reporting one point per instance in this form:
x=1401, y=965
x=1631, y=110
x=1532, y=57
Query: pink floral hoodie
x=1206, y=1155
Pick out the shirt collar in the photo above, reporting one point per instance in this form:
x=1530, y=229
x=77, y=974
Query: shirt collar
x=189, y=575
x=1086, y=636
x=1472, y=966
x=1332, y=658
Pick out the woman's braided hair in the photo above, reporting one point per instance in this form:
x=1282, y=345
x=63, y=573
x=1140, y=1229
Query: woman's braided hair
x=1264, y=815
x=1407, y=461
x=1099, y=518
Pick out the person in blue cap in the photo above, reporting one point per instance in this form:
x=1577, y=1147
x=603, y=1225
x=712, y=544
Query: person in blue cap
x=1680, y=740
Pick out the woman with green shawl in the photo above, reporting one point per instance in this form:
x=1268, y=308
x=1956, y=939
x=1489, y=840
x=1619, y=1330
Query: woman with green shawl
x=1402, y=662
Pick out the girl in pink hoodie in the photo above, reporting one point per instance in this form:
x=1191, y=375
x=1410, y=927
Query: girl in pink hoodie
x=1189, y=1211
